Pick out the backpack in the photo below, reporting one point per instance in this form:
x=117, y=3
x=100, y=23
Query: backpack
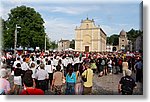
x=103, y=62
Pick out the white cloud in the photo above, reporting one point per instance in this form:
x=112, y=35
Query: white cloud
x=57, y=28
x=116, y=28
x=69, y=10
x=109, y=30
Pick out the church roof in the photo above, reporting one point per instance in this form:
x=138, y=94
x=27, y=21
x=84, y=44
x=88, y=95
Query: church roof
x=122, y=33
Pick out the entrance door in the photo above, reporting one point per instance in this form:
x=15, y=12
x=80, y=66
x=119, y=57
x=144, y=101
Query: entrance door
x=114, y=49
x=86, y=48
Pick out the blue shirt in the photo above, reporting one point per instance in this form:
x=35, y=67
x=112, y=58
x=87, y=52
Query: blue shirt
x=139, y=65
x=71, y=79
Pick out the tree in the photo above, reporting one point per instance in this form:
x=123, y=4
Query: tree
x=53, y=45
x=133, y=34
x=113, y=39
x=72, y=44
x=32, y=32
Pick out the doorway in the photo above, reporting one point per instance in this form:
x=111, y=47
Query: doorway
x=86, y=48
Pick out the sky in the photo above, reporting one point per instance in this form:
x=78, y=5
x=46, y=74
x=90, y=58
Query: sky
x=62, y=16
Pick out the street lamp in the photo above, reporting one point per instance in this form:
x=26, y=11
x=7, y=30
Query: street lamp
x=15, y=44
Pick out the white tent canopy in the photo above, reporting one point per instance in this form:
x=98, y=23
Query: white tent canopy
x=69, y=49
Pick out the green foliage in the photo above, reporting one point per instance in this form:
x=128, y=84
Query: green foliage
x=113, y=39
x=72, y=44
x=31, y=33
x=53, y=45
x=133, y=34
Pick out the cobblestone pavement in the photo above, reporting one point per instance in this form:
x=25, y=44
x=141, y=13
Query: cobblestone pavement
x=105, y=85
x=108, y=85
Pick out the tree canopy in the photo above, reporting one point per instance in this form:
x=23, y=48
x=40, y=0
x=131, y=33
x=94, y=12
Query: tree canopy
x=113, y=39
x=32, y=31
x=72, y=44
x=133, y=34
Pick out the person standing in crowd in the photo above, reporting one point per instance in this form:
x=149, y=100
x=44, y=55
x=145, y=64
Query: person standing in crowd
x=87, y=86
x=124, y=66
x=33, y=68
x=60, y=63
x=57, y=81
x=50, y=69
x=109, y=63
x=24, y=67
x=93, y=65
x=5, y=84
x=65, y=63
x=126, y=84
x=133, y=63
x=28, y=83
x=102, y=66
x=70, y=82
x=120, y=64
x=98, y=64
x=4, y=68
x=115, y=63
x=12, y=60
x=27, y=59
x=32, y=60
x=105, y=70
x=41, y=77
x=16, y=62
x=139, y=70
x=79, y=83
x=129, y=63
x=17, y=79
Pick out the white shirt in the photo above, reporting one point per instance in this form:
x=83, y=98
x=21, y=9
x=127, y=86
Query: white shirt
x=15, y=63
x=70, y=60
x=50, y=68
x=33, y=72
x=24, y=66
x=32, y=62
x=65, y=62
x=41, y=75
x=61, y=66
x=55, y=61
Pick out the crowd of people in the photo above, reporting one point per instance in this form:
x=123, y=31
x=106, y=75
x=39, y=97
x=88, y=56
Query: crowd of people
x=38, y=72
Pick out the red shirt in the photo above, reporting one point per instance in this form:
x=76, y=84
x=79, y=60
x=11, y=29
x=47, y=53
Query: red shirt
x=33, y=91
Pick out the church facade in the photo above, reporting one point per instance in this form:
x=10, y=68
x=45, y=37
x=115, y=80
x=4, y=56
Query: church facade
x=89, y=37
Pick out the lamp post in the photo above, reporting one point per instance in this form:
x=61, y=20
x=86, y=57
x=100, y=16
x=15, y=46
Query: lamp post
x=15, y=44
